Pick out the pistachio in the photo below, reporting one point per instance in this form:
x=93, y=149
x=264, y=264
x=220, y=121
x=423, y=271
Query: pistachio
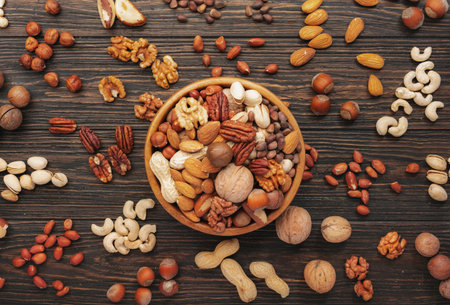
x=41, y=176
x=3, y=165
x=436, y=162
x=437, y=192
x=59, y=179
x=16, y=167
x=12, y=183
x=286, y=165
x=37, y=163
x=9, y=196
x=438, y=177
x=262, y=117
x=241, y=117
x=237, y=92
x=252, y=98
x=26, y=182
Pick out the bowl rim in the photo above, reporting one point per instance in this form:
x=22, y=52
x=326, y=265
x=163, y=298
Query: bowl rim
x=172, y=209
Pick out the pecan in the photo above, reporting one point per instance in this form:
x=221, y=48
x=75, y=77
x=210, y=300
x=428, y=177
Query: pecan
x=391, y=245
x=356, y=268
x=100, y=167
x=150, y=107
x=110, y=88
x=219, y=214
x=119, y=160
x=218, y=109
x=274, y=178
x=89, y=139
x=62, y=125
x=165, y=72
x=364, y=289
x=259, y=167
x=124, y=138
x=241, y=151
x=237, y=132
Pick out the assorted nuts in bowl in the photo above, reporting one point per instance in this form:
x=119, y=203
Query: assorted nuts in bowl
x=224, y=156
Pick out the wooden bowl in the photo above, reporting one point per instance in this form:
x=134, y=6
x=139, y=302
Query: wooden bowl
x=172, y=209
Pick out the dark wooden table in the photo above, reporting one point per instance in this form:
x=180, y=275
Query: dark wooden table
x=87, y=201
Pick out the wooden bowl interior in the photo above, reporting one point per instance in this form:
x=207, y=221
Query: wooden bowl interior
x=172, y=209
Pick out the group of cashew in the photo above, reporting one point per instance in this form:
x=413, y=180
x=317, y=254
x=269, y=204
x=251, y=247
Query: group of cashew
x=123, y=235
x=427, y=83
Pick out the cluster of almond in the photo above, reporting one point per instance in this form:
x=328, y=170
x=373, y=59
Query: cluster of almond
x=216, y=144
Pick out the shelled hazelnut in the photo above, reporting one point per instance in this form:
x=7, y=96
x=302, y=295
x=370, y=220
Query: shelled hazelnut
x=38, y=64
x=31, y=44
x=44, y=51
x=73, y=83
x=51, y=36
x=25, y=61
x=32, y=28
x=66, y=39
x=52, y=79
x=52, y=7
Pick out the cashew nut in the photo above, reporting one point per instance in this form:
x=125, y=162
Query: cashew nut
x=145, y=231
x=404, y=93
x=120, y=246
x=401, y=103
x=142, y=206
x=119, y=226
x=421, y=75
x=435, y=82
x=149, y=245
x=400, y=129
x=416, y=56
x=107, y=228
x=430, y=111
x=128, y=210
x=383, y=124
x=132, y=244
x=133, y=228
x=108, y=242
x=408, y=81
x=422, y=101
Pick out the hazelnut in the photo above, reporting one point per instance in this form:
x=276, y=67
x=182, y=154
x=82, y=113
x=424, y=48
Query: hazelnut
x=436, y=8
x=320, y=104
x=322, y=83
x=51, y=36
x=349, y=110
x=168, y=152
x=10, y=117
x=2, y=79
x=31, y=44
x=44, y=51
x=220, y=154
x=32, y=28
x=412, y=17
x=66, y=39
x=38, y=64
x=439, y=267
x=52, y=79
x=52, y=7
x=19, y=96
x=73, y=83
x=427, y=244
x=294, y=225
x=257, y=199
x=25, y=61
x=158, y=139
x=276, y=199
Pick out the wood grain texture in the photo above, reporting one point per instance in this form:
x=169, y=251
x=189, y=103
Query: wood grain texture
x=86, y=200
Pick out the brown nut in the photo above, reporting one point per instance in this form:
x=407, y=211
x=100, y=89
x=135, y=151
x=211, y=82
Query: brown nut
x=25, y=61
x=294, y=225
x=2, y=79
x=19, y=96
x=320, y=104
x=10, y=117
x=158, y=139
x=31, y=44
x=349, y=111
x=52, y=79
x=322, y=83
x=427, y=244
x=38, y=64
x=66, y=39
x=320, y=276
x=52, y=7
x=439, y=267
x=32, y=28
x=73, y=83
x=51, y=36
x=44, y=51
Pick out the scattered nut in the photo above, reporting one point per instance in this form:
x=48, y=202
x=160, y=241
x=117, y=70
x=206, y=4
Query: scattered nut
x=427, y=244
x=73, y=83
x=320, y=276
x=52, y=7
x=19, y=96
x=431, y=110
x=336, y=229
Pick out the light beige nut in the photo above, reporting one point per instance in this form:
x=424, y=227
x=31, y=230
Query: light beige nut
x=59, y=179
x=401, y=103
x=240, y=117
x=145, y=231
x=422, y=101
x=132, y=244
x=234, y=273
x=400, y=129
x=336, y=229
x=128, y=210
x=119, y=226
x=421, y=75
x=179, y=158
x=108, y=242
x=26, y=182
x=161, y=169
x=149, y=244
x=3, y=165
x=37, y=162
x=252, y=98
x=103, y=230
x=265, y=270
x=3, y=22
x=435, y=82
x=262, y=117
x=209, y=260
x=41, y=176
x=438, y=177
x=190, y=113
x=384, y=123
x=119, y=244
x=408, y=81
x=237, y=92
x=16, y=167
x=419, y=57
x=404, y=93
x=9, y=196
x=133, y=229
x=142, y=206
x=437, y=192
x=12, y=183
x=436, y=162
x=431, y=110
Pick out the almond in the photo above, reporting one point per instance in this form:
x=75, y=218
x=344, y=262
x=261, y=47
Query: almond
x=194, y=167
x=198, y=44
x=185, y=189
x=310, y=6
x=208, y=186
x=321, y=41
x=191, y=216
x=176, y=175
x=308, y=32
x=291, y=142
x=375, y=86
x=208, y=132
x=317, y=17
x=355, y=27
x=191, y=179
x=128, y=14
x=234, y=52
x=302, y=56
x=173, y=138
x=208, y=167
x=191, y=146
x=184, y=203
x=370, y=60
x=367, y=2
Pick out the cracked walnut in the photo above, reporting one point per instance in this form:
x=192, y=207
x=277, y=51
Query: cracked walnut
x=110, y=87
x=165, y=72
x=149, y=109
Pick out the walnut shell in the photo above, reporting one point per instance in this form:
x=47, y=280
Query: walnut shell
x=234, y=183
x=294, y=225
x=336, y=229
x=320, y=276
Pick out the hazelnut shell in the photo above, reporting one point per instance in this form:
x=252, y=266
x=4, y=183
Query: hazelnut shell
x=10, y=117
x=19, y=96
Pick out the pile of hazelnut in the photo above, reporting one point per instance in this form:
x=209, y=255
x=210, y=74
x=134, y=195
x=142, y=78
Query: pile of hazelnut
x=10, y=114
x=227, y=155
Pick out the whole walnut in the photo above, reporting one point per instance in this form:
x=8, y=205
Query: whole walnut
x=234, y=183
x=336, y=229
x=294, y=225
x=320, y=276
x=10, y=117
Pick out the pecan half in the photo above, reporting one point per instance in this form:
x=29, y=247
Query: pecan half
x=62, y=126
x=218, y=216
x=241, y=151
x=125, y=138
x=391, y=245
x=364, y=290
x=119, y=160
x=356, y=268
x=100, y=167
x=110, y=88
x=218, y=109
x=89, y=139
x=259, y=167
x=237, y=132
